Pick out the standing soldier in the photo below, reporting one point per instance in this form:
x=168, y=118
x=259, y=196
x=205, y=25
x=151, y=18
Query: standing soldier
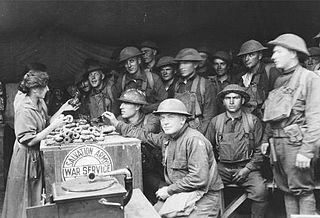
x=205, y=68
x=222, y=65
x=292, y=113
x=236, y=137
x=196, y=92
x=149, y=51
x=259, y=77
x=188, y=159
x=167, y=68
x=132, y=101
x=138, y=78
x=103, y=93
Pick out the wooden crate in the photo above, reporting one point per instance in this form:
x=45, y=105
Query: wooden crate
x=67, y=161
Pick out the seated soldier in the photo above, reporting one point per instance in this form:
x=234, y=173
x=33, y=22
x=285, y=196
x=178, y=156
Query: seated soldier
x=236, y=136
x=188, y=159
x=132, y=101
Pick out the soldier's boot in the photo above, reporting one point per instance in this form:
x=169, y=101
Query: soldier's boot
x=292, y=204
x=307, y=204
x=258, y=209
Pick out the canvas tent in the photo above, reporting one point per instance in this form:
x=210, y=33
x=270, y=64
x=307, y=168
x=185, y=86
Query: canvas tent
x=62, y=34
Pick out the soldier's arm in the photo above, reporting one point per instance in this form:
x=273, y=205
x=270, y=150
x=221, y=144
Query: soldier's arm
x=257, y=157
x=311, y=135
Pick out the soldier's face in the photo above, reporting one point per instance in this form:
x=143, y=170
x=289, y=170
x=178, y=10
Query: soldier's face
x=220, y=66
x=233, y=102
x=282, y=57
x=187, y=68
x=128, y=110
x=149, y=54
x=85, y=86
x=252, y=59
x=132, y=65
x=311, y=62
x=167, y=72
x=171, y=123
x=204, y=56
x=95, y=78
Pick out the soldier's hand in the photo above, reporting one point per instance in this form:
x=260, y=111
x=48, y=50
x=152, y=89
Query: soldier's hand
x=162, y=193
x=264, y=148
x=241, y=175
x=302, y=161
x=111, y=117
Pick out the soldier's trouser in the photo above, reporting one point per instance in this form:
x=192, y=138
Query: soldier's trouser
x=254, y=185
x=207, y=206
x=297, y=183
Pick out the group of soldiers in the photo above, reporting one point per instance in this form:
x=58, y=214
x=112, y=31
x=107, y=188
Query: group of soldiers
x=203, y=125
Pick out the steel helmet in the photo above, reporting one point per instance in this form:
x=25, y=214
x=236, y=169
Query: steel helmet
x=150, y=44
x=234, y=88
x=129, y=52
x=291, y=41
x=188, y=54
x=133, y=96
x=251, y=46
x=172, y=105
x=223, y=55
x=166, y=60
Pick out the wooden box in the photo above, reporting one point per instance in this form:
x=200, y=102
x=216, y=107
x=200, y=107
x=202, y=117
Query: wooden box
x=68, y=161
x=105, y=203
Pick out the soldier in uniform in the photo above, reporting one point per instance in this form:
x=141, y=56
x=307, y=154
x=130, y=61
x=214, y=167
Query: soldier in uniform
x=138, y=78
x=168, y=69
x=196, y=92
x=188, y=160
x=258, y=78
x=149, y=50
x=236, y=137
x=132, y=101
x=103, y=92
x=292, y=113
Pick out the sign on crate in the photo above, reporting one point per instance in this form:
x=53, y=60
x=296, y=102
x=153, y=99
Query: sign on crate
x=85, y=159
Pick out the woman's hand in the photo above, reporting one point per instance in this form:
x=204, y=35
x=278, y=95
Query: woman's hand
x=69, y=107
x=58, y=122
x=111, y=117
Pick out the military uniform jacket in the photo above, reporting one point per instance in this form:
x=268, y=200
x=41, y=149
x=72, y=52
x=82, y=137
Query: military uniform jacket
x=305, y=112
x=236, y=126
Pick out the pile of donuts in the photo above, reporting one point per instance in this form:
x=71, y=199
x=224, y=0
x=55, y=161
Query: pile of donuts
x=77, y=131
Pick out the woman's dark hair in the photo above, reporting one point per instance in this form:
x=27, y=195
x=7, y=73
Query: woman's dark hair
x=33, y=79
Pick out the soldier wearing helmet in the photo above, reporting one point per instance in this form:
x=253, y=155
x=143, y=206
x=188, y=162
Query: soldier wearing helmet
x=167, y=68
x=236, y=138
x=205, y=68
x=103, y=92
x=187, y=157
x=149, y=50
x=258, y=77
x=132, y=101
x=196, y=92
x=139, y=78
x=293, y=128
x=312, y=62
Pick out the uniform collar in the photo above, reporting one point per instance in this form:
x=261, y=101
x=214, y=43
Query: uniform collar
x=227, y=117
x=141, y=75
x=290, y=70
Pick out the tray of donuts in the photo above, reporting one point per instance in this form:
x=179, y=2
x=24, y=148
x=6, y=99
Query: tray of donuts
x=78, y=131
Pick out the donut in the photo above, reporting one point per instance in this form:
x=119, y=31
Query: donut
x=69, y=118
x=76, y=135
x=91, y=129
x=67, y=140
x=58, y=138
x=77, y=129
